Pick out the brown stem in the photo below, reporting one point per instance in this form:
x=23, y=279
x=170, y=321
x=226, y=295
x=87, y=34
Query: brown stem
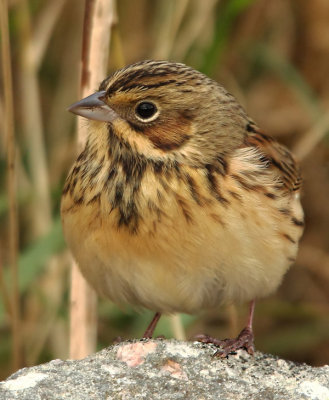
x=97, y=24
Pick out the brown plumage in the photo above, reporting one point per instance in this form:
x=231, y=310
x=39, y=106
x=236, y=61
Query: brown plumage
x=178, y=201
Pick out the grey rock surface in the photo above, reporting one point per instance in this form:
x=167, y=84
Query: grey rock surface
x=168, y=369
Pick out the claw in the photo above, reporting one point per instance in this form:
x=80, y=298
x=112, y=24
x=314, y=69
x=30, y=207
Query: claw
x=245, y=340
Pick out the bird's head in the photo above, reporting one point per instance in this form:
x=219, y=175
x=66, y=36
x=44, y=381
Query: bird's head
x=167, y=110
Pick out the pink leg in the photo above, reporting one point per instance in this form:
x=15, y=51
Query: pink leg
x=251, y=314
x=245, y=339
x=150, y=329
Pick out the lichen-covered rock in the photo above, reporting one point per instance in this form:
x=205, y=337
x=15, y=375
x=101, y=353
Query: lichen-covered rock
x=161, y=369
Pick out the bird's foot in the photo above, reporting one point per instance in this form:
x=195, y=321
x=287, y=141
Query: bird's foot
x=245, y=340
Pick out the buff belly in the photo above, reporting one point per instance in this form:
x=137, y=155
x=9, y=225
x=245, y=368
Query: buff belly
x=175, y=265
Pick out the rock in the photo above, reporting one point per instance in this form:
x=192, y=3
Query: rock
x=168, y=369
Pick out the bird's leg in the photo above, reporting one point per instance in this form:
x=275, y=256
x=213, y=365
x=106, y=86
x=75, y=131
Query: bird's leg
x=245, y=340
x=150, y=329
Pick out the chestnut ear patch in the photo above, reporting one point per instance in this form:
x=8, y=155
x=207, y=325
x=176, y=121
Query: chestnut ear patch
x=169, y=135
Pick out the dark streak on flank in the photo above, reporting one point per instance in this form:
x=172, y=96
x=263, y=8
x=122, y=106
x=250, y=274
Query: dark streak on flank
x=297, y=221
x=94, y=199
x=95, y=172
x=286, y=236
x=284, y=211
x=78, y=200
x=67, y=184
x=217, y=219
x=245, y=184
x=271, y=195
x=83, y=155
x=73, y=184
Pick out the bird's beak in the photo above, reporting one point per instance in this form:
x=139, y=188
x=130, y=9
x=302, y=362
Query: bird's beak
x=94, y=107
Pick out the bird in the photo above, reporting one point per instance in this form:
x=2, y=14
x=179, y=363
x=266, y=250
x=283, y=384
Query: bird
x=179, y=202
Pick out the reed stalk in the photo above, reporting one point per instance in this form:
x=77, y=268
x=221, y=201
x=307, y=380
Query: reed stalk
x=98, y=20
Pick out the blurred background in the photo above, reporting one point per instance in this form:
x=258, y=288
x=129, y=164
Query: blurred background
x=273, y=56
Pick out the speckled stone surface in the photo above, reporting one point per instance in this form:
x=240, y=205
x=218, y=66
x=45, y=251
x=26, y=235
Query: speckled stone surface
x=168, y=369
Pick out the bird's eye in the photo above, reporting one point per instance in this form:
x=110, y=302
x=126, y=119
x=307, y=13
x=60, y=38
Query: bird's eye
x=146, y=111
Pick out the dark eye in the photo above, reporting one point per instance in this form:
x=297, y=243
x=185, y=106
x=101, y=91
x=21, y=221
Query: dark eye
x=146, y=111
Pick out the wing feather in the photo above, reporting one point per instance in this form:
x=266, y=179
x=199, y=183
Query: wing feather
x=277, y=156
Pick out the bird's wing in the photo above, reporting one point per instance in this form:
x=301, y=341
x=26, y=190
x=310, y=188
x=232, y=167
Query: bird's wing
x=277, y=156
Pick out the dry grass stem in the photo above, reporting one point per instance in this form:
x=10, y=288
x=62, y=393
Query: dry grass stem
x=312, y=138
x=201, y=14
x=33, y=128
x=168, y=26
x=98, y=20
x=177, y=327
x=43, y=31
